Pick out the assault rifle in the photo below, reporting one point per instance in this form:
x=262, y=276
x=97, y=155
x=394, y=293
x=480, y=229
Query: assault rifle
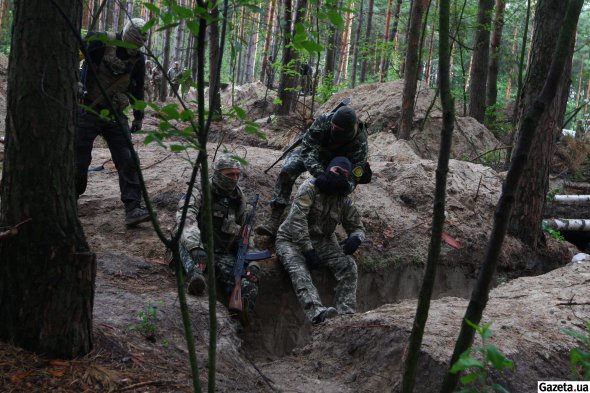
x=344, y=102
x=235, y=299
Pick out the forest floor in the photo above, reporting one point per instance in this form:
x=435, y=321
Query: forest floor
x=138, y=335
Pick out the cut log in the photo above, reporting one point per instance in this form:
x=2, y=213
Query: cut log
x=577, y=199
x=568, y=224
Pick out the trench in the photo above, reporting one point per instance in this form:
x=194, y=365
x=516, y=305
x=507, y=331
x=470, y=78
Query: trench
x=279, y=324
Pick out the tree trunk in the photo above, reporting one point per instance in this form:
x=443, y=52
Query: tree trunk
x=481, y=54
x=166, y=65
x=287, y=81
x=580, y=79
x=357, y=41
x=429, y=58
x=47, y=271
x=367, y=41
x=214, y=93
x=525, y=222
x=344, y=48
x=392, y=39
x=264, y=77
x=494, y=65
x=511, y=71
x=385, y=52
x=252, y=48
x=411, y=68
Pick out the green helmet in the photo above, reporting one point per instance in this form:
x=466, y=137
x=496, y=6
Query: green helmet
x=226, y=161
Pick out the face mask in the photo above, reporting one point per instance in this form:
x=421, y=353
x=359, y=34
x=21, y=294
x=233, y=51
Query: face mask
x=224, y=183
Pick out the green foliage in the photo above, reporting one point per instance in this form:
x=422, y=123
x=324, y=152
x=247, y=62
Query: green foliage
x=477, y=368
x=551, y=194
x=554, y=233
x=580, y=356
x=148, y=321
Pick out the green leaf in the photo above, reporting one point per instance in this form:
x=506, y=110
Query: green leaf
x=485, y=331
x=193, y=26
x=139, y=105
x=171, y=112
x=311, y=46
x=335, y=17
x=149, y=24
x=177, y=148
x=497, y=358
x=152, y=7
x=240, y=112
x=499, y=388
x=252, y=128
x=467, y=379
x=187, y=115
x=464, y=362
x=473, y=325
x=183, y=12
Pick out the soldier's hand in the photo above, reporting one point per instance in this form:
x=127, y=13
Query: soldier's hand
x=351, y=244
x=135, y=126
x=313, y=259
x=332, y=184
x=253, y=272
x=199, y=256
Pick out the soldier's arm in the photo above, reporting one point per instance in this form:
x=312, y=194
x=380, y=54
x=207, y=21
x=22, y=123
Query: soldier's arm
x=351, y=220
x=310, y=153
x=297, y=220
x=136, y=85
x=359, y=158
x=191, y=234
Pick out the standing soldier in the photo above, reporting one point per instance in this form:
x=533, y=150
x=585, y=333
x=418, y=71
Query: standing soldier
x=330, y=135
x=156, y=82
x=120, y=72
x=228, y=217
x=174, y=74
x=306, y=240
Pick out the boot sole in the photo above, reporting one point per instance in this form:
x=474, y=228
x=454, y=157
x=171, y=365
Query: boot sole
x=135, y=221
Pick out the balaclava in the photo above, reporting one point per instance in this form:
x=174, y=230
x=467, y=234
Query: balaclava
x=222, y=183
x=346, y=125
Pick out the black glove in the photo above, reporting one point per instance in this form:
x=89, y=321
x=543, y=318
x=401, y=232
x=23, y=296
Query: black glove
x=253, y=272
x=135, y=125
x=351, y=244
x=312, y=258
x=199, y=256
x=367, y=174
x=332, y=184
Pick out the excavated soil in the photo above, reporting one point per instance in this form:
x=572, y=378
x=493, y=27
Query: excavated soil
x=280, y=351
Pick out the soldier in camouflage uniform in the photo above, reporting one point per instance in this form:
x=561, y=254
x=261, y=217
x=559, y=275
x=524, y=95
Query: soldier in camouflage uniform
x=228, y=216
x=120, y=72
x=306, y=240
x=330, y=135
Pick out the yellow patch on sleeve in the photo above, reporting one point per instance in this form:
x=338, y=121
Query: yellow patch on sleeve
x=357, y=171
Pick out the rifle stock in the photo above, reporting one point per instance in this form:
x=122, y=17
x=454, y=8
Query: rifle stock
x=344, y=102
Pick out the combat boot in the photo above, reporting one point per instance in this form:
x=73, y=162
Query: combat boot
x=270, y=227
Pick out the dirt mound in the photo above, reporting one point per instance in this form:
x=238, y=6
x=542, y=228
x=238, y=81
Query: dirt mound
x=365, y=352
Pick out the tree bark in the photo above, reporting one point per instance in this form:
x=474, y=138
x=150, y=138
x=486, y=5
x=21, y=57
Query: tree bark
x=46, y=271
x=385, y=52
x=411, y=68
x=494, y=64
x=269, y=31
x=393, y=36
x=357, y=38
x=367, y=41
x=481, y=54
x=530, y=198
x=214, y=89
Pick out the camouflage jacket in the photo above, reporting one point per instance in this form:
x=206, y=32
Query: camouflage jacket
x=317, y=150
x=228, y=217
x=314, y=215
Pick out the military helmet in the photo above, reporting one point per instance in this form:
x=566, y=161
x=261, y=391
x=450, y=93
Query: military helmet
x=226, y=161
x=132, y=32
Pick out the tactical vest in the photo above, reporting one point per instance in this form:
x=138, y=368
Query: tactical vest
x=114, y=75
x=225, y=211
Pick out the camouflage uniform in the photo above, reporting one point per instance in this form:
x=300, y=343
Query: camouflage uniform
x=315, y=153
x=228, y=217
x=121, y=74
x=310, y=224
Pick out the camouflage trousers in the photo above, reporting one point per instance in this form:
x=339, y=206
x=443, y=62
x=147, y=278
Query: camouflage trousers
x=224, y=266
x=343, y=267
x=292, y=168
